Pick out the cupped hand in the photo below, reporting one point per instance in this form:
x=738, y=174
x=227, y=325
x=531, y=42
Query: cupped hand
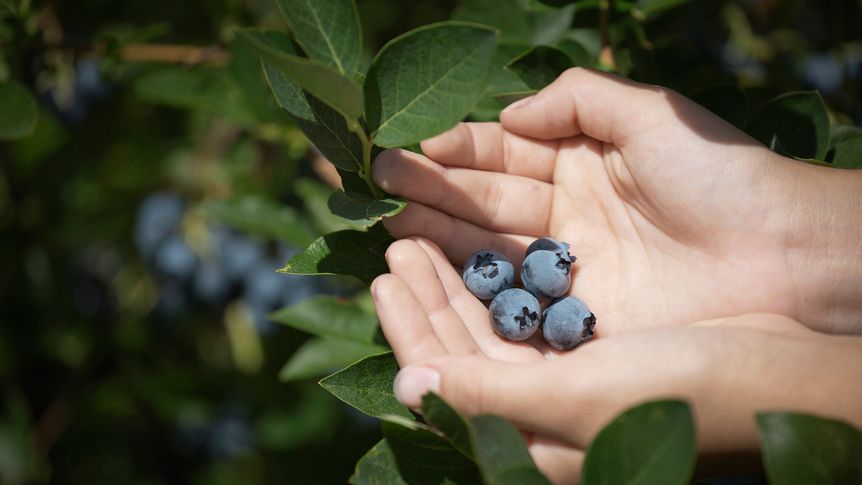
x=675, y=215
x=726, y=369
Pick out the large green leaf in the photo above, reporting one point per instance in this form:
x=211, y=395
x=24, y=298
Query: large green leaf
x=377, y=467
x=324, y=126
x=507, y=16
x=541, y=66
x=797, y=120
x=319, y=356
x=367, y=386
x=320, y=80
x=353, y=253
x=425, y=81
x=363, y=210
x=424, y=457
x=502, y=454
x=549, y=24
x=244, y=72
x=327, y=30
x=441, y=415
x=846, y=149
x=331, y=317
x=203, y=89
x=802, y=449
x=260, y=217
x=19, y=111
x=650, y=444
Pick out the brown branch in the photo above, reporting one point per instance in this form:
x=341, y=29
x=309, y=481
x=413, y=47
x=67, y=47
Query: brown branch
x=173, y=53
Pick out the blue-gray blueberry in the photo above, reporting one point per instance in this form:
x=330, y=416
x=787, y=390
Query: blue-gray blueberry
x=549, y=244
x=567, y=323
x=515, y=314
x=487, y=272
x=546, y=274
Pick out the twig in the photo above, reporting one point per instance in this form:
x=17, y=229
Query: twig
x=606, y=55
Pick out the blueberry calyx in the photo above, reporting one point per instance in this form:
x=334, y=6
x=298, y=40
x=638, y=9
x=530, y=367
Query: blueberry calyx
x=564, y=263
x=527, y=314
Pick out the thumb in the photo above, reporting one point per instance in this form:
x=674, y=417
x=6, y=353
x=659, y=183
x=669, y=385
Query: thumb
x=603, y=106
x=478, y=385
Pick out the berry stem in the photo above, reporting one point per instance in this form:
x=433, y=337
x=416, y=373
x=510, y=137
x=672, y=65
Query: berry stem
x=365, y=171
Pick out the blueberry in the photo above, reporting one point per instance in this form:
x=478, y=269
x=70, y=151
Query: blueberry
x=487, y=273
x=548, y=244
x=546, y=274
x=176, y=259
x=210, y=284
x=515, y=314
x=158, y=217
x=567, y=323
x=240, y=255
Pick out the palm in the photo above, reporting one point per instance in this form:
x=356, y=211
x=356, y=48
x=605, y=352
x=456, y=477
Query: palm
x=655, y=247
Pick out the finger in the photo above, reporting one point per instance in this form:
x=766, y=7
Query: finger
x=403, y=321
x=458, y=238
x=473, y=313
x=488, y=147
x=410, y=263
x=474, y=385
x=601, y=105
x=559, y=462
x=492, y=200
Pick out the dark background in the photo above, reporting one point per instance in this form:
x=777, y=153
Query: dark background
x=116, y=365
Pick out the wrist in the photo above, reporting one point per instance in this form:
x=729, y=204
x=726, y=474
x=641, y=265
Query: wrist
x=823, y=240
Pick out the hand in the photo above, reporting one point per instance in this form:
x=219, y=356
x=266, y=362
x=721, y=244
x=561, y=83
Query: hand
x=726, y=369
x=675, y=215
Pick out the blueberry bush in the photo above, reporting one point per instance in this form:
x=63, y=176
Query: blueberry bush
x=159, y=163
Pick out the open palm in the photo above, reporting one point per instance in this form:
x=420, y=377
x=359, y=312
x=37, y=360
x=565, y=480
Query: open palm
x=670, y=210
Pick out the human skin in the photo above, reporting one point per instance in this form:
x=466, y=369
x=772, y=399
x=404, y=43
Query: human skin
x=726, y=369
x=675, y=215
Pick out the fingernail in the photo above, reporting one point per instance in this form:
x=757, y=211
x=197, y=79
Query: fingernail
x=380, y=169
x=518, y=104
x=412, y=383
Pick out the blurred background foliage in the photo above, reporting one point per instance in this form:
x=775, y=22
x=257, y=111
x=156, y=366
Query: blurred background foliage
x=142, y=219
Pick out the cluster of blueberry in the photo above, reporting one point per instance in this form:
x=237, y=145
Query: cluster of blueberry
x=234, y=266
x=516, y=313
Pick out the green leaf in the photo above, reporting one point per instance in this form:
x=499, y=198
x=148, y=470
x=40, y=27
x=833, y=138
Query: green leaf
x=203, y=89
x=320, y=80
x=725, y=100
x=549, y=25
x=318, y=356
x=424, y=457
x=258, y=216
x=651, y=8
x=846, y=149
x=367, y=386
x=501, y=79
x=331, y=317
x=441, y=415
x=352, y=253
x=541, y=66
x=502, y=453
x=314, y=197
x=799, y=122
x=325, y=127
x=507, y=16
x=577, y=52
x=649, y=444
x=19, y=113
x=363, y=210
x=328, y=31
x=425, y=81
x=244, y=72
x=801, y=449
x=377, y=467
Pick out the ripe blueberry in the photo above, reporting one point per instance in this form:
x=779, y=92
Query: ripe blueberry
x=515, y=314
x=546, y=273
x=487, y=273
x=548, y=244
x=567, y=323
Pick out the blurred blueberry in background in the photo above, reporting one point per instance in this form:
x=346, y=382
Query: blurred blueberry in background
x=176, y=259
x=823, y=73
x=159, y=215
